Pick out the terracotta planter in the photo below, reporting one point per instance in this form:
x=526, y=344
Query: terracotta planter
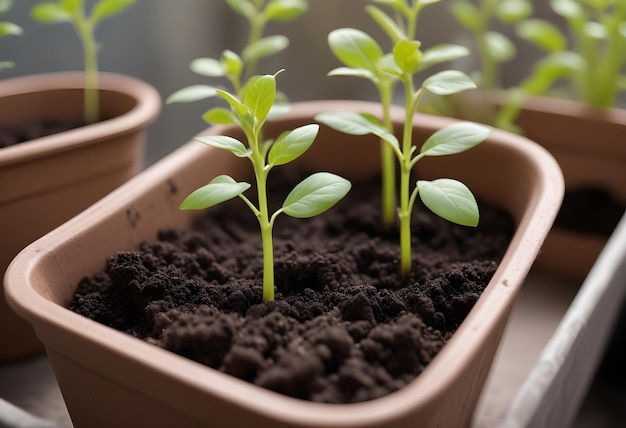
x=111, y=379
x=45, y=181
x=589, y=146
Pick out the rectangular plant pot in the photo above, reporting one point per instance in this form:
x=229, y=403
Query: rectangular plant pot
x=111, y=379
x=589, y=146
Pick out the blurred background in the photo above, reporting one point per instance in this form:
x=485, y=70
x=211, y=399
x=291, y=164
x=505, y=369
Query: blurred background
x=155, y=40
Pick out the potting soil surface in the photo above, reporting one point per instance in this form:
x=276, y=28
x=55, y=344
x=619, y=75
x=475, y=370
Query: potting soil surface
x=343, y=328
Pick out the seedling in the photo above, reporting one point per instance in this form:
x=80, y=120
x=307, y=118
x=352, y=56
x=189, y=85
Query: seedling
x=363, y=57
x=592, y=66
x=238, y=68
x=447, y=198
x=311, y=197
x=7, y=29
x=73, y=11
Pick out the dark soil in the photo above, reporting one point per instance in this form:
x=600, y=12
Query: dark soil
x=343, y=327
x=589, y=210
x=12, y=136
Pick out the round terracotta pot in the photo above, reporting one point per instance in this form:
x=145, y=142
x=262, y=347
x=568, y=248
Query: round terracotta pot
x=46, y=181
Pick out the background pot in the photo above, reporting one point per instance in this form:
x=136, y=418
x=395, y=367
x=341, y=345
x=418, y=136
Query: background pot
x=45, y=181
x=589, y=146
x=136, y=383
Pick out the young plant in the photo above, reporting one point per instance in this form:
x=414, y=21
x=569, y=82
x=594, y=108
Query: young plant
x=7, y=29
x=311, y=197
x=447, y=198
x=239, y=68
x=363, y=57
x=493, y=47
x=593, y=65
x=73, y=11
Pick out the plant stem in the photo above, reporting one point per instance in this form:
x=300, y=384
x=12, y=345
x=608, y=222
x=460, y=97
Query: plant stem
x=388, y=165
x=257, y=26
x=265, y=223
x=91, y=113
x=404, y=213
x=488, y=64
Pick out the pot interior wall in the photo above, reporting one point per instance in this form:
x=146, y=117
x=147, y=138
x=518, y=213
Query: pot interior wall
x=19, y=109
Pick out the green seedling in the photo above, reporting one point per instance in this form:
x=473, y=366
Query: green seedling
x=447, y=198
x=480, y=18
x=483, y=19
x=73, y=11
x=7, y=29
x=311, y=197
x=238, y=68
x=593, y=64
x=363, y=57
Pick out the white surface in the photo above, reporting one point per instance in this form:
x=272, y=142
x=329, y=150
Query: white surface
x=558, y=383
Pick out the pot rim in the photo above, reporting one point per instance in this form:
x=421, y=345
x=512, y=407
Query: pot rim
x=147, y=107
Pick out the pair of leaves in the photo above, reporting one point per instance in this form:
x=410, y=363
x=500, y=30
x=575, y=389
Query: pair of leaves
x=276, y=10
x=289, y=146
x=365, y=58
x=70, y=10
x=312, y=196
x=453, y=139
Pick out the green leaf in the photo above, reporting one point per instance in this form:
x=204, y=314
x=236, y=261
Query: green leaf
x=448, y=82
x=555, y=66
x=466, y=13
x=355, y=48
x=392, y=29
x=232, y=63
x=315, y=194
x=242, y=7
x=442, y=53
x=353, y=72
x=5, y=5
x=49, y=12
x=9, y=29
x=265, y=47
x=450, y=200
x=542, y=34
x=407, y=56
x=285, y=10
x=219, y=116
x=220, y=189
x=596, y=30
x=499, y=46
x=207, y=67
x=191, y=93
x=259, y=95
x=455, y=138
x=106, y=8
x=568, y=9
x=240, y=109
x=6, y=64
x=291, y=145
x=231, y=144
x=72, y=6
x=512, y=11
x=353, y=123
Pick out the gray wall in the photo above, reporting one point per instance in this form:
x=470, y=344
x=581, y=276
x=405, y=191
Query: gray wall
x=156, y=39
